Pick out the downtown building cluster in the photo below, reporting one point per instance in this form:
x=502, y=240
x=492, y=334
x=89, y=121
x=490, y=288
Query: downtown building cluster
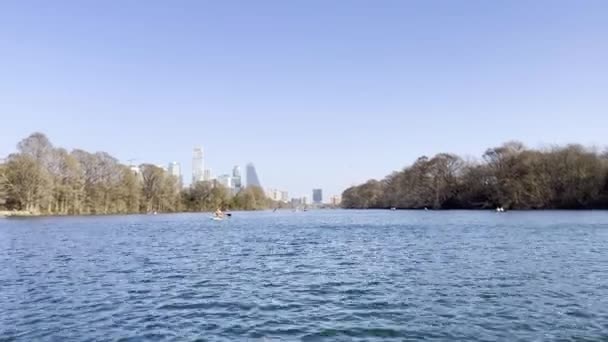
x=236, y=181
x=232, y=180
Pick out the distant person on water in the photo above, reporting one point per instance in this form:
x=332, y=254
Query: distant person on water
x=219, y=213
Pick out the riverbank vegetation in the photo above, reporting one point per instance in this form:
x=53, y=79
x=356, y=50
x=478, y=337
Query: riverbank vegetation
x=510, y=176
x=42, y=179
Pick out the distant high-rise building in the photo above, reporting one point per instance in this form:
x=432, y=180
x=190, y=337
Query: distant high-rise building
x=317, y=196
x=273, y=194
x=277, y=195
x=225, y=180
x=269, y=193
x=198, y=165
x=335, y=200
x=175, y=170
x=236, y=171
x=236, y=177
x=207, y=176
x=252, y=176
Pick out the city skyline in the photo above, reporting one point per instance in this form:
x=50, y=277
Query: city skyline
x=362, y=93
x=232, y=180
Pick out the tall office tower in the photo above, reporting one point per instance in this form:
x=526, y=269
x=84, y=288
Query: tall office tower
x=252, y=176
x=317, y=196
x=197, y=165
x=236, y=177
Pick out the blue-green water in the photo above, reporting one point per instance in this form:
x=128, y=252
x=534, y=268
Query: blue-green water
x=309, y=276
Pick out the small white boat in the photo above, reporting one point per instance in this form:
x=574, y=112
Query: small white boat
x=215, y=218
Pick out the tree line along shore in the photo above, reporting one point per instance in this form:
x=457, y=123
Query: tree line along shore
x=41, y=179
x=510, y=176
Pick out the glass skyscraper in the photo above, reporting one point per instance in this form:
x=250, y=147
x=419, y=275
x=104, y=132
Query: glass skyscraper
x=197, y=165
x=317, y=196
x=236, y=177
x=252, y=176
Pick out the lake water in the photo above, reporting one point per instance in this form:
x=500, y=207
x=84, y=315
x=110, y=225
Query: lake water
x=308, y=276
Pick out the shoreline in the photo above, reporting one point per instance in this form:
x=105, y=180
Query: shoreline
x=16, y=213
x=26, y=214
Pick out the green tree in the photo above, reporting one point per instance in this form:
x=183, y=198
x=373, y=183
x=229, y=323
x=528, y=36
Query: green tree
x=130, y=191
x=68, y=184
x=510, y=176
x=27, y=182
x=152, y=187
x=251, y=198
x=3, y=186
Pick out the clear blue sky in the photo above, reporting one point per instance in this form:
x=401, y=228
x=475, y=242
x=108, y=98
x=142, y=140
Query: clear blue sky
x=315, y=93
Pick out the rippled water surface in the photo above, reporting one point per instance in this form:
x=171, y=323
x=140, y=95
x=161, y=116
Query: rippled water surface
x=309, y=276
